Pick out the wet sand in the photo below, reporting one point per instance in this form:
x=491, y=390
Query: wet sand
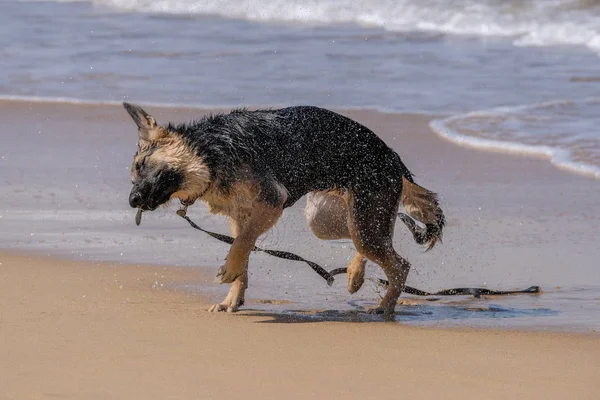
x=96, y=331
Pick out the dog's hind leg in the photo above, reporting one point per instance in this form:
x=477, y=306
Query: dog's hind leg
x=327, y=216
x=371, y=220
x=356, y=272
x=235, y=297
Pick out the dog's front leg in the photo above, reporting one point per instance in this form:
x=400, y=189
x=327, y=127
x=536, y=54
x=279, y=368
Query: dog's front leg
x=263, y=217
x=235, y=297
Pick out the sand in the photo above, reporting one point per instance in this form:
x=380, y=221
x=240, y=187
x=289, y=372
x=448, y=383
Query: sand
x=96, y=331
x=92, y=330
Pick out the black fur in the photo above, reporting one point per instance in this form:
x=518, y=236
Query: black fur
x=303, y=148
x=156, y=189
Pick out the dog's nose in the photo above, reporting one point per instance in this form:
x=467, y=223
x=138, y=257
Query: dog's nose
x=135, y=199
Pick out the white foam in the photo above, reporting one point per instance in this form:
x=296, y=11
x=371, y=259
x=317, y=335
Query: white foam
x=532, y=23
x=197, y=106
x=65, y=100
x=559, y=156
x=89, y=102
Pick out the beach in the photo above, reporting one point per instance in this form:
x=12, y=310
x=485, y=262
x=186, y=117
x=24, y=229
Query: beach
x=121, y=313
x=491, y=104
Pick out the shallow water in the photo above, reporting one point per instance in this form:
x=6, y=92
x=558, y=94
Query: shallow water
x=292, y=288
x=564, y=132
x=550, y=311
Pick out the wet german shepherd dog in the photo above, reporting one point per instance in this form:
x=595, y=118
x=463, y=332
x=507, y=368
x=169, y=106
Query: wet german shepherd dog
x=251, y=165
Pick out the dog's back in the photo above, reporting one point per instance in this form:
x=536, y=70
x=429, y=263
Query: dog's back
x=309, y=148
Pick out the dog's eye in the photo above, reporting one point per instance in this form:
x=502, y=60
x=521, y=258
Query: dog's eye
x=140, y=165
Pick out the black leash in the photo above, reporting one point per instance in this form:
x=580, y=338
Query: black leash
x=277, y=253
x=329, y=275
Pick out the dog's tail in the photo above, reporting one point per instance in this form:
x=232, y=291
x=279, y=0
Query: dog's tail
x=422, y=205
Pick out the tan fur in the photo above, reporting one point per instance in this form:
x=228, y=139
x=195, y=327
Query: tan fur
x=419, y=203
x=236, y=296
x=356, y=273
x=327, y=216
x=262, y=218
x=249, y=219
x=422, y=205
x=171, y=150
x=239, y=201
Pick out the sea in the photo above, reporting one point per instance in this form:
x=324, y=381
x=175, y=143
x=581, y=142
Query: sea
x=518, y=76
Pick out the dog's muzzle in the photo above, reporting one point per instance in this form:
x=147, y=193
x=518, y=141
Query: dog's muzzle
x=135, y=199
x=142, y=197
x=142, y=200
x=151, y=192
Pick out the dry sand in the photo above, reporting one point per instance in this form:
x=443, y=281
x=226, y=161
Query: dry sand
x=94, y=331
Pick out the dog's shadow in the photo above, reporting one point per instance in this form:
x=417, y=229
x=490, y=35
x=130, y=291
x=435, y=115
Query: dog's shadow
x=302, y=317
x=460, y=313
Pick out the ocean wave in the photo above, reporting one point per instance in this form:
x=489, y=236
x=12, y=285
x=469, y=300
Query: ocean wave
x=526, y=22
x=528, y=130
x=202, y=106
x=65, y=100
x=90, y=102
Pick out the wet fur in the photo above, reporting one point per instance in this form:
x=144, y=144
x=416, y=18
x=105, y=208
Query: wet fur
x=250, y=165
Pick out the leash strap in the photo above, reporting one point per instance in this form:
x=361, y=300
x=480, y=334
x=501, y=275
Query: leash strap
x=329, y=275
x=276, y=253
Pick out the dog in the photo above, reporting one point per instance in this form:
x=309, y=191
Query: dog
x=251, y=165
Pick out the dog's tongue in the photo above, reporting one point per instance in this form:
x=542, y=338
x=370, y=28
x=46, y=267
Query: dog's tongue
x=138, y=217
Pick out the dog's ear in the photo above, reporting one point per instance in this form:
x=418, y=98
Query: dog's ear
x=147, y=126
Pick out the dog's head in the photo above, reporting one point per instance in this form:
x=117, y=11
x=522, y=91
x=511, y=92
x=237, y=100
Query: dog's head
x=164, y=167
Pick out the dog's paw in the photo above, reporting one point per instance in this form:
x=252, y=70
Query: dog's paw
x=227, y=306
x=223, y=307
x=376, y=310
x=227, y=274
x=356, y=278
x=386, y=311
